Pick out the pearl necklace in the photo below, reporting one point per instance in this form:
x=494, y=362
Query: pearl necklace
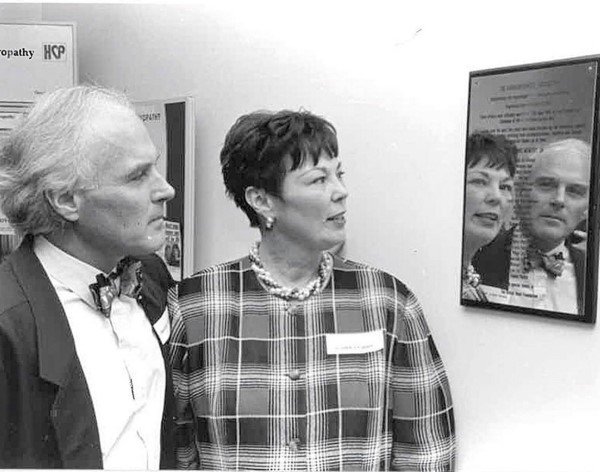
x=471, y=276
x=298, y=294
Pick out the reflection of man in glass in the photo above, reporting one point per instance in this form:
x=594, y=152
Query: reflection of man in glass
x=552, y=200
x=558, y=194
x=175, y=255
x=168, y=252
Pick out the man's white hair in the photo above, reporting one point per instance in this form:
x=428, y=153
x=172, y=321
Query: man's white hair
x=50, y=150
x=562, y=148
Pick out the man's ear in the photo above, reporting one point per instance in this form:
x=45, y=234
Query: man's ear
x=260, y=201
x=65, y=203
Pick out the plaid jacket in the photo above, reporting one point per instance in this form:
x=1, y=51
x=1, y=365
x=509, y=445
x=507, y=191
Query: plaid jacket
x=256, y=389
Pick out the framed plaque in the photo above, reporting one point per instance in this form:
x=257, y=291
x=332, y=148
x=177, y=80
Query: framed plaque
x=530, y=219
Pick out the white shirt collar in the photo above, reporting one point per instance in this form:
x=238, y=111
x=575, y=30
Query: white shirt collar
x=72, y=273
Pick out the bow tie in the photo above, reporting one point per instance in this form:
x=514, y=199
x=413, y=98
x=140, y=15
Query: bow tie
x=129, y=275
x=553, y=264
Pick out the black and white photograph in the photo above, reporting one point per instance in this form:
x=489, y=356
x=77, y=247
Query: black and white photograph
x=299, y=236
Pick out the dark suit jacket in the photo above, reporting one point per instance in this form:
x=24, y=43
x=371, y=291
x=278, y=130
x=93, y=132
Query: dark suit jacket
x=47, y=418
x=492, y=263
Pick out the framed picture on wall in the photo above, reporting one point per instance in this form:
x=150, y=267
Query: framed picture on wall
x=170, y=124
x=530, y=219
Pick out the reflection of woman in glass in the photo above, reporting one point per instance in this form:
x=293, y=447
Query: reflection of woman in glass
x=488, y=200
x=291, y=358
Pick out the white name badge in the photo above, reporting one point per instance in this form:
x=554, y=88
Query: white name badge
x=354, y=343
x=163, y=328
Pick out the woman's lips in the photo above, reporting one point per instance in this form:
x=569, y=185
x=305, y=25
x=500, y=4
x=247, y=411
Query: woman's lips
x=487, y=218
x=491, y=216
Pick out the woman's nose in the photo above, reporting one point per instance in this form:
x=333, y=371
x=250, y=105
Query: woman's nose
x=340, y=191
x=493, y=194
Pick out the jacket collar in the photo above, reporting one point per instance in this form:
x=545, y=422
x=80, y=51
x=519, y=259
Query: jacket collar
x=56, y=347
x=72, y=411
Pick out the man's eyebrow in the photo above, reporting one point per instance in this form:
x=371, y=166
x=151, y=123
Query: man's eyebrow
x=138, y=168
x=141, y=167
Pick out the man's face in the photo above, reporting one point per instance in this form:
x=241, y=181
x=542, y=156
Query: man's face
x=558, y=198
x=123, y=215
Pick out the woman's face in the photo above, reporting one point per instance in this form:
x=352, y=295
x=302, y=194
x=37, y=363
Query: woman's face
x=489, y=196
x=312, y=207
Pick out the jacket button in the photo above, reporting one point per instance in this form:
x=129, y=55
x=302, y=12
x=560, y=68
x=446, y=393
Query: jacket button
x=294, y=374
x=293, y=444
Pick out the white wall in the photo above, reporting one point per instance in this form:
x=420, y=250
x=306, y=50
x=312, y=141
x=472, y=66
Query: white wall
x=15, y=12
x=393, y=79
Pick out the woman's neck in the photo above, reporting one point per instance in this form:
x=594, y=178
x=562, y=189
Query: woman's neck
x=289, y=263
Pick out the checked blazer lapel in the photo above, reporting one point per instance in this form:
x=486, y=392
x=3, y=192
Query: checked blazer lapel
x=72, y=412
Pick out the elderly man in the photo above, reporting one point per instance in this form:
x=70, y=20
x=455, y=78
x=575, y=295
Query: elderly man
x=546, y=268
x=83, y=381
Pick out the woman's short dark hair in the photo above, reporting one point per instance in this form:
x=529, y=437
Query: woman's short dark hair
x=500, y=152
x=256, y=145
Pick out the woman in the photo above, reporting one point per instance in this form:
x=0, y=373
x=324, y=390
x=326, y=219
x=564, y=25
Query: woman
x=488, y=201
x=291, y=358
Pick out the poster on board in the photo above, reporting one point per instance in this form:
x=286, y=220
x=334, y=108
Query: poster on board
x=8, y=239
x=530, y=223
x=171, y=250
x=170, y=124
x=35, y=58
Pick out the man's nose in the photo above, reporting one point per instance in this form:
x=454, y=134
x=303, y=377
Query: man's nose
x=164, y=190
x=558, y=199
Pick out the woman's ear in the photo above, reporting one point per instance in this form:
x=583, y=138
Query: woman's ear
x=65, y=203
x=261, y=202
